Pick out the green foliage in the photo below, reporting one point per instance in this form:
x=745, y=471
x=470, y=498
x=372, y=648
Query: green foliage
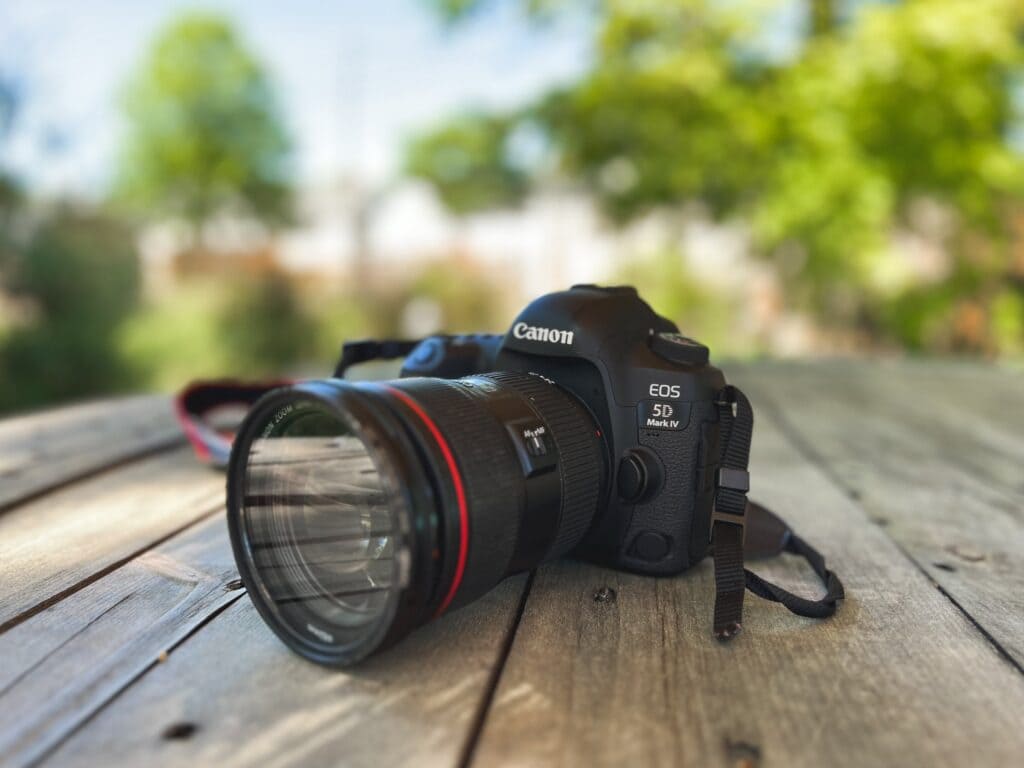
x=256, y=326
x=205, y=134
x=667, y=284
x=173, y=340
x=823, y=152
x=265, y=326
x=469, y=298
x=469, y=160
x=77, y=280
x=459, y=10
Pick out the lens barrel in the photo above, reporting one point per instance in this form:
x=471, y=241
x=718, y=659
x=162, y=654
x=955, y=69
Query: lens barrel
x=358, y=512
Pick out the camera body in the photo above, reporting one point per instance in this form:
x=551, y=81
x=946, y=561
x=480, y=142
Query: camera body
x=651, y=391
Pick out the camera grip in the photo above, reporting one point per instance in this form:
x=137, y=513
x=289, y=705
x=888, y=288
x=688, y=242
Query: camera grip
x=669, y=533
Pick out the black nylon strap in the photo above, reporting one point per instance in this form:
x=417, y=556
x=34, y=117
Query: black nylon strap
x=728, y=519
x=814, y=609
x=356, y=352
x=736, y=420
x=730, y=579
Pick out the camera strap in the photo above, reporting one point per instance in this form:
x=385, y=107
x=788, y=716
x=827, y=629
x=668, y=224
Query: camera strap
x=731, y=518
x=195, y=405
x=356, y=352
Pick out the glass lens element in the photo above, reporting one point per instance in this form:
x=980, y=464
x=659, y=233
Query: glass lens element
x=320, y=524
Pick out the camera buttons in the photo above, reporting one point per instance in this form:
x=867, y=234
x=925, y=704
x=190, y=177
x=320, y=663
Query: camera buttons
x=533, y=445
x=639, y=476
x=677, y=348
x=632, y=478
x=651, y=546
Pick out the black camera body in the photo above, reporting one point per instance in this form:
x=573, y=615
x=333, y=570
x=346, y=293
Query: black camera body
x=651, y=391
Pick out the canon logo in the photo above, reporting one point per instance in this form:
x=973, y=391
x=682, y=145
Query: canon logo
x=533, y=333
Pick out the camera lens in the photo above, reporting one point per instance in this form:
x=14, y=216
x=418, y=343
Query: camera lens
x=360, y=511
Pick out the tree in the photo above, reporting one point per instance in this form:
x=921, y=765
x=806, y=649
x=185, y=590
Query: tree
x=265, y=327
x=471, y=162
x=77, y=277
x=822, y=152
x=10, y=191
x=205, y=135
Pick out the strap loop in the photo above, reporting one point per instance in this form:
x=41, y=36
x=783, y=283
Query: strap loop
x=802, y=606
x=728, y=524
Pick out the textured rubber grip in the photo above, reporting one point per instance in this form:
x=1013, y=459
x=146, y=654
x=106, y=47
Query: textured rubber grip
x=580, y=453
x=490, y=473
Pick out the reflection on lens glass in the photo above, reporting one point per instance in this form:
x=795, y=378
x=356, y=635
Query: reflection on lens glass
x=320, y=525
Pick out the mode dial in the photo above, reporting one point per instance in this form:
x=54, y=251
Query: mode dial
x=677, y=348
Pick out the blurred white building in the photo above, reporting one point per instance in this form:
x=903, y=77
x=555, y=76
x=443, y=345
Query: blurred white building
x=346, y=233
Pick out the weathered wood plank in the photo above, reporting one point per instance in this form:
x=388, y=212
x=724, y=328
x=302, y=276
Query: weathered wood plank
x=898, y=677
x=971, y=416
x=932, y=461
x=62, y=665
x=43, y=450
x=54, y=544
x=233, y=695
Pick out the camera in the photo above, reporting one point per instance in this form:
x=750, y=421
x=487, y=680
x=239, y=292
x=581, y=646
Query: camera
x=650, y=394
x=358, y=511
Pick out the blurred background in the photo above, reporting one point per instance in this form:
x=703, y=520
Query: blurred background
x=236, y=187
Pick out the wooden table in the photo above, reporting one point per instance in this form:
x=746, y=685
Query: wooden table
x=125, y=637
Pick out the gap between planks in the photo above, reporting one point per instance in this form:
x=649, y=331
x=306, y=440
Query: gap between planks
x=495, y=678
x=45, y=451
x=898, y=676
x=85, y=696
x=239, y=698
x=71, y=660
x=803, y=447
x=477, y=725
x=934, y=464
x=52, y=547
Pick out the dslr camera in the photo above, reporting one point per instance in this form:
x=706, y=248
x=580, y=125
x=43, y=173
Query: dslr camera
x=358, y=511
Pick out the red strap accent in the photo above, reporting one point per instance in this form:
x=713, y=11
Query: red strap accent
x=460, y=495
x=197, y=400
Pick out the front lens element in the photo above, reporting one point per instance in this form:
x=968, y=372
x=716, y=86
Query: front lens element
x=321, y=525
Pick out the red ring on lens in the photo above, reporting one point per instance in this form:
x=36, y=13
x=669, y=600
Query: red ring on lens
x=460, y=494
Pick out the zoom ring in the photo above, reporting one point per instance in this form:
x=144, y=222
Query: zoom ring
x=579, y=449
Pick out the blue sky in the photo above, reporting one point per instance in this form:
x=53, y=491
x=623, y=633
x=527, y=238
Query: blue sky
x=355, y=78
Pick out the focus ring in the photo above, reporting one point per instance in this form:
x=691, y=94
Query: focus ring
x=579, y=449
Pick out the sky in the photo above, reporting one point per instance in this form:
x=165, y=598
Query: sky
x=356, y=78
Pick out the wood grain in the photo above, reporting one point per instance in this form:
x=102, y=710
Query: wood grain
x=233, y=695
x=932, y=452
x=54, y=544
x=906, y=475
x=65, y=663
x=42, y=450
x=898, y=677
